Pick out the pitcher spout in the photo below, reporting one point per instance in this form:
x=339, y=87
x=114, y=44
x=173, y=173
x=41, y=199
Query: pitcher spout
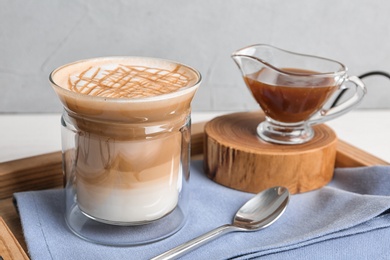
x=252, y=58
x=246, y=64
x=238, y=59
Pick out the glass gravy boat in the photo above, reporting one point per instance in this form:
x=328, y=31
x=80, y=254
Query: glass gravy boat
x=294, y=91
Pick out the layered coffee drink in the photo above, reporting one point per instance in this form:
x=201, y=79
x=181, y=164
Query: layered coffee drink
x=129, y=152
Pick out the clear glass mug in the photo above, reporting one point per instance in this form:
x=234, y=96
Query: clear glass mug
x=125, y=160
x=293, y=90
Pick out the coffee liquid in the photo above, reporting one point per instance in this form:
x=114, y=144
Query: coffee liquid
x=291, y=97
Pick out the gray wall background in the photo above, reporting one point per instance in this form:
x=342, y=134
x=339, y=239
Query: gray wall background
x=37, y=36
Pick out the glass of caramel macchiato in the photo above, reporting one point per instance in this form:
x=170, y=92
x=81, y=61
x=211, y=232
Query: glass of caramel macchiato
x=126, y=146
x=294, y=91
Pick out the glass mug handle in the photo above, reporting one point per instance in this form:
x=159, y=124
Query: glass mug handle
x=338, y=110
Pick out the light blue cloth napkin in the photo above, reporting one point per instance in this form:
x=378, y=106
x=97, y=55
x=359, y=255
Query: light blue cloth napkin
x=347, y=219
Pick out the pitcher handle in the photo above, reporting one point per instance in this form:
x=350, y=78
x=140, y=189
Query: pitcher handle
x=338, y=110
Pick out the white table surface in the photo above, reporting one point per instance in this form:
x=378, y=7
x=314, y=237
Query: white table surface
x=24, y=135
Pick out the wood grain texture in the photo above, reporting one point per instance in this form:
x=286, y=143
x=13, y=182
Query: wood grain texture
x=33, y=173
x=45, y=171
x=236, y=157
x=197, y=136
x=9, y=245
x=351, y=156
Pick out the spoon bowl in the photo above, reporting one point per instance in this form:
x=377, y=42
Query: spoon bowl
x=257, y=213
x=262, y=210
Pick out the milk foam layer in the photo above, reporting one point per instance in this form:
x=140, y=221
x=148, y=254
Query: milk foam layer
x=125, y=77
x=127, y=81
x=137, y=89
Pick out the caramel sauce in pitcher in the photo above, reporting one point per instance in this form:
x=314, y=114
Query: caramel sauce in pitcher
x=291, y=97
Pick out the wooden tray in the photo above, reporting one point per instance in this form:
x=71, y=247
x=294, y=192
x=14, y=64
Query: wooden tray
x=45, y=172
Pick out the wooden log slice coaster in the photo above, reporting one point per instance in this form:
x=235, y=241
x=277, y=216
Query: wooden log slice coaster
x=236, y=157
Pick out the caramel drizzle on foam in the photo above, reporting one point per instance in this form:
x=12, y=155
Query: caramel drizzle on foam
x=126, y=81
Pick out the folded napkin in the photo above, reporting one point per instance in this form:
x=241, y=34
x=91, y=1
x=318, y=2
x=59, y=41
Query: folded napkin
x=346, y=219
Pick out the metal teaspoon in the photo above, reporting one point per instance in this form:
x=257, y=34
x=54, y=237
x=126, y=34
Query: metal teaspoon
x=257, y=213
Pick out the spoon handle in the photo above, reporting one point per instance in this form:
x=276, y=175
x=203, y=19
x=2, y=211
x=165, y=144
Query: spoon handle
x=195, y=243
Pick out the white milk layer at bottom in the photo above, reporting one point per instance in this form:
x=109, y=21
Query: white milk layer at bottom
x=128, y=181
